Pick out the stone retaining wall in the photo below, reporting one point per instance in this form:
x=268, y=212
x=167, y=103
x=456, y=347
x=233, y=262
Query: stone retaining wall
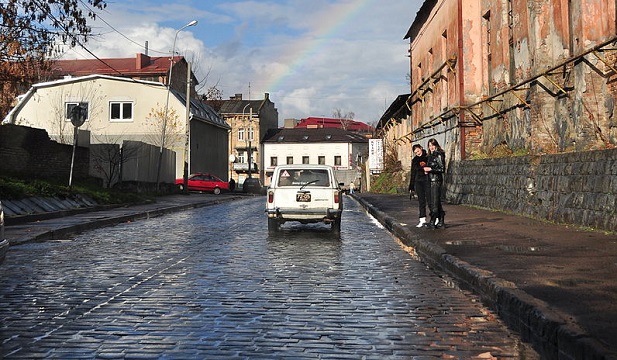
x=575, y=188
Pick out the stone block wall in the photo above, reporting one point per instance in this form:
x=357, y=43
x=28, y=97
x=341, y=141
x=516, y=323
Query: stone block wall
x=26, y=151
x=577, y=188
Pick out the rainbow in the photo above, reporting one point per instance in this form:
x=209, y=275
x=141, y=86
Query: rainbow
x=306, y=47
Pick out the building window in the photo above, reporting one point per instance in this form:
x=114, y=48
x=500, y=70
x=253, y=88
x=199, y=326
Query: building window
x=321, y=160
x=290, y=160
x=121, y=111
x=274, y=161
x=71, y=105
x=251, y=134
x=337, y=161
x=241, y=134
x=242, y=157
x=305, y=160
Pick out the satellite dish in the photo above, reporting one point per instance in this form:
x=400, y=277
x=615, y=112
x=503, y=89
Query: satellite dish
x=232, y=158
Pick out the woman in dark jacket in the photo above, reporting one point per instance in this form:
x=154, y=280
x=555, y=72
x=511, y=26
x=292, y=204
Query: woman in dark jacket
x=435, y=168
x=418, y=182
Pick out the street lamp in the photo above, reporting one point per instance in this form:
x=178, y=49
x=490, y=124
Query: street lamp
x=165, y=116
x=185, y=172
x=248, y=135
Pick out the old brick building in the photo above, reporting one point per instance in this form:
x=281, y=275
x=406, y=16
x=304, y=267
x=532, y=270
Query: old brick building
x=530, y=77
x=534, y=79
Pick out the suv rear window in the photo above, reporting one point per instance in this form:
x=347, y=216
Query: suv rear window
x=300, y=177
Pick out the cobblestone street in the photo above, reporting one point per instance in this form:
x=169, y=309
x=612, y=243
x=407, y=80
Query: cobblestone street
x=209, y=283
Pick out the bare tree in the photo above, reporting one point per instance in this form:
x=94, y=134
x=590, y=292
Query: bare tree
x=108, y=156
x=166, y=134
x=166, y=131
x=29, y=29
x=213, y=97
x=82, y=94
x=345, y=118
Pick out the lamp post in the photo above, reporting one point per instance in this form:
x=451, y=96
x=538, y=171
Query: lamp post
x=248, y=135
x=187, y=134
x=165, y=116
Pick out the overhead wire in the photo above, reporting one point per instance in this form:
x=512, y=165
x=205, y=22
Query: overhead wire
x=77, y=41
x=118, y=31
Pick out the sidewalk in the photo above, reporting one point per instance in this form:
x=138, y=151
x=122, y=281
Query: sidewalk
x=58, y=227
x=556, y=285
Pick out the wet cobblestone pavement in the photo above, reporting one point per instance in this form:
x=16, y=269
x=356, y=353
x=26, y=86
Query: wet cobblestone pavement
x=209, y=283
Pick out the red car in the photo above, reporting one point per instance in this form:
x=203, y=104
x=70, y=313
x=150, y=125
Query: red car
x=204, y=182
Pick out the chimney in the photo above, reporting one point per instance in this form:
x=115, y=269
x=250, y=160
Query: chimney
x=142, y=61
x=236, y=97
x=266, y=96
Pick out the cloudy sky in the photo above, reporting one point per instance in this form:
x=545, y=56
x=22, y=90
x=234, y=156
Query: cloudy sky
x=312, y=56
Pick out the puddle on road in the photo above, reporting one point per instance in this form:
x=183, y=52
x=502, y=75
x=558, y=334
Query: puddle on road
x=506, y=248
x=518, y=249
x=574, y=282
x=463, y=243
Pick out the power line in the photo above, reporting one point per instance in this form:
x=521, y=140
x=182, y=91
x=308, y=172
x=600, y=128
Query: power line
x=77, y=41
x=118, y=31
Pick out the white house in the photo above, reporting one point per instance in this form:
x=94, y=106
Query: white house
x=119, y=109
x=343, y=149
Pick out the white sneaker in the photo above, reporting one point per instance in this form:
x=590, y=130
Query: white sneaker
x=422, y=222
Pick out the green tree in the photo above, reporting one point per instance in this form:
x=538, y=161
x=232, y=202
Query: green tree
x=29, y=29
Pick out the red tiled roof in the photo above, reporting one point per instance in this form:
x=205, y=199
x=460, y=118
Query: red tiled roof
x=141, y=65
x=324, y=122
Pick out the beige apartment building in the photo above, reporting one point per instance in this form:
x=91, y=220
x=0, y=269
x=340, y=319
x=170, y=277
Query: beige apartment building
x=249, y=120
x=119, y=109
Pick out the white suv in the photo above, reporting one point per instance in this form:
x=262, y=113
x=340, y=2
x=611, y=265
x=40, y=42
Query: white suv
x=304, y=193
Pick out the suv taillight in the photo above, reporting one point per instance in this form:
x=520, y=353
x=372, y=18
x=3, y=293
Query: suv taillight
x=270, y=197
x=336, y=196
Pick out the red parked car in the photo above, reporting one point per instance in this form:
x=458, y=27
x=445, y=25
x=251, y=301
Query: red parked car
x=204, y=182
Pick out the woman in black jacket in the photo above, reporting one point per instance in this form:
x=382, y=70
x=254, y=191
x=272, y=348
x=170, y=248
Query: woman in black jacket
x=435, y=168
x=418, y=182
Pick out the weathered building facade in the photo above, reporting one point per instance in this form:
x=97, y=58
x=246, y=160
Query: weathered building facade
x=532, y=77
x=492, y=79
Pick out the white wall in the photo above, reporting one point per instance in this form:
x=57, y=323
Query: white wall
x=312, y=150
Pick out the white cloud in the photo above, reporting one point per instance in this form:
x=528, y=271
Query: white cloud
x=312, y=56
